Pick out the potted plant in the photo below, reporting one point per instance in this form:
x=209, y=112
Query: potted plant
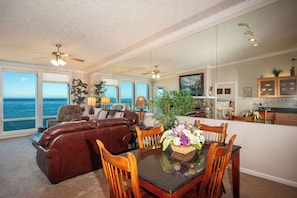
x=170, y=105
x=276, y=72
x=99, y=92
x=79, y=91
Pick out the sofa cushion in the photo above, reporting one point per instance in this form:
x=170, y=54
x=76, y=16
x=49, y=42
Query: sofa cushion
x=102, y=114
x=119, y=115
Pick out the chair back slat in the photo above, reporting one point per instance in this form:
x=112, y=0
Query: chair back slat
x=150, y=138
x=217, y=161
x=121, y=173
x=213, y=133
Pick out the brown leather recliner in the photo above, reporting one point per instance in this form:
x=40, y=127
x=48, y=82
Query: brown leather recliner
x=66, y=113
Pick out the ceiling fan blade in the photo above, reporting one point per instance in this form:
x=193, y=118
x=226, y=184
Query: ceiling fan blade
x=145, y=73
x=76, y=59
x=64, y=55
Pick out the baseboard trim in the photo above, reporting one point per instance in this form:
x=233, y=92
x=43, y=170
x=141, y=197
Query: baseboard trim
x=269, y=177
x=8, y=135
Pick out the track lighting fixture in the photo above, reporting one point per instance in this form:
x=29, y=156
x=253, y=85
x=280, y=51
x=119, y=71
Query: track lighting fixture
x=249, y=32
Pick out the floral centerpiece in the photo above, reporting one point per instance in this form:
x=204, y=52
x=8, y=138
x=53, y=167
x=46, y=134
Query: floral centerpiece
x=183, y=138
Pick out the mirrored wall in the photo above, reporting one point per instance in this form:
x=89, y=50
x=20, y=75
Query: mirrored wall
x=226, y=54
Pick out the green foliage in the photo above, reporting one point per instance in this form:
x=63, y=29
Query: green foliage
x=276, y=72
x=79, y=91
x=170, y=105
x=99, y=92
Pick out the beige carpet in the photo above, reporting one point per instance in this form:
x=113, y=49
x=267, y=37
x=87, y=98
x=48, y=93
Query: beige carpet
x=21, y=177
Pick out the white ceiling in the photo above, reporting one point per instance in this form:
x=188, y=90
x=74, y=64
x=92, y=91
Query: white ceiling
x=107, y=34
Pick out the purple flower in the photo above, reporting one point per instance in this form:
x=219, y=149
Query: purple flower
x=184, y=140
x=179, y=128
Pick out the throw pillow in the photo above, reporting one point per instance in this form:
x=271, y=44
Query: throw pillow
x=102, y=114
x=110, y=116
x=119, y=115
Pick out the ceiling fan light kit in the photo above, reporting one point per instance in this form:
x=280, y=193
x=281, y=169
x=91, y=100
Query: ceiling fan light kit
x=155, y=76
x=155, y=73
x=57, y=61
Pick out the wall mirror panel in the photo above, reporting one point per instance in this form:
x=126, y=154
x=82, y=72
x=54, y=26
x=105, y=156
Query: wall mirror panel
x=224, y=53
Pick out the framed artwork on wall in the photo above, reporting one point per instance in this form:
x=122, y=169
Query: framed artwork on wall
x=227, y=91
x=193, y=83
x=247, y=92
x=220, y=91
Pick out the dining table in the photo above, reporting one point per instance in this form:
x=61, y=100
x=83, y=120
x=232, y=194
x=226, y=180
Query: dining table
x=170, y=174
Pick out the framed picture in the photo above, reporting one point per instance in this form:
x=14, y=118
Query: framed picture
x=220, y=91
x=227, y=91
x=193, y=83
x=247, y=92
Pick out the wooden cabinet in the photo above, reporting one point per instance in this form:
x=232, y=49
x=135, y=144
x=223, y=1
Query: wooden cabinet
x=267, y=87
x=287, y=86
x=286, y=119
x=277, y=87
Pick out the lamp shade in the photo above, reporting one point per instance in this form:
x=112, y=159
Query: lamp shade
x=105, y=101
x=140, y=101
x=91, y=101
x=155, y=76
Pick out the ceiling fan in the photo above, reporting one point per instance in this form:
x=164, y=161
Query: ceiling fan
x=155, y=73
x=59, y=56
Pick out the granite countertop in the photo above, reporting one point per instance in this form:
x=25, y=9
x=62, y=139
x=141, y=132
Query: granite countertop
x=278, y=109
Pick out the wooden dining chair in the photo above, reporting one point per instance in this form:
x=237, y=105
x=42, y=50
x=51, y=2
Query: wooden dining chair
x=213, y=133
x=242, y=118
x=217, y=160
x=121, y=173
x=150, y=138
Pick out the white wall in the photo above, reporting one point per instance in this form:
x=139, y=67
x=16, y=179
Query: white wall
x=268, y=151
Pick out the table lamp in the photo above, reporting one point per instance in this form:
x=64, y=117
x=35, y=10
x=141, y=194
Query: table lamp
x=139, y=103
x=105, y=101
x=91, y=102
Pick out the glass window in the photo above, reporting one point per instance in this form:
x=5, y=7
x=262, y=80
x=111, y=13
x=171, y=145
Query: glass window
x=112, y=93
x=142, y=90
x=19, y=100
x=127, y=94
x=54, y=95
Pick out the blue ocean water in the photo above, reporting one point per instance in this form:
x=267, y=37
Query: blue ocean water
x=26, y=108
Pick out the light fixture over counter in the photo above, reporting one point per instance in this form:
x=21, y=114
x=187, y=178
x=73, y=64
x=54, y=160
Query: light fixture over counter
x=250, y=33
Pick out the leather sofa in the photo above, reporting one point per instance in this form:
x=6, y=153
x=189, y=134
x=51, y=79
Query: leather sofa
x=68, y=150
x=132, y=116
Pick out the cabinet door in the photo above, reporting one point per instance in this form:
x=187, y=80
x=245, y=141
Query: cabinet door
x=267, y=87
x=286, y=119
x=287, y=86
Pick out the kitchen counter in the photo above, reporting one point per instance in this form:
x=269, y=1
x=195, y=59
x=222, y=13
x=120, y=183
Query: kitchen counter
x=278, y=109
x=283, y=116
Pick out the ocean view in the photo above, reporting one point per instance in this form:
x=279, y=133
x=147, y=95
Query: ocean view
x=26, y=108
